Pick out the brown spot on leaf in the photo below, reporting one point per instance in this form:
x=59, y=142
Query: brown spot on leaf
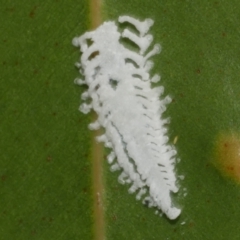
x=20, y=221
x=191, y=224
x=3, y=178
x=33, y=11
x=227, y=155
x=198, y=71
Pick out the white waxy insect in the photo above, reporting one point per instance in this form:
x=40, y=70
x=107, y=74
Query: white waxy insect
x=129, y=109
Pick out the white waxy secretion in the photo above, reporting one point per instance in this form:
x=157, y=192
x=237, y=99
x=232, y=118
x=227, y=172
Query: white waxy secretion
x=129, y=109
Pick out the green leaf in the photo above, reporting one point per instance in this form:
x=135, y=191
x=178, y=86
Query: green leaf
x=45, y=182
x=46, y=188
x=200, y=69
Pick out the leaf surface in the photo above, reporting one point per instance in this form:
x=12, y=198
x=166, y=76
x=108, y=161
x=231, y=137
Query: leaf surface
x=199, y=67
x=45, y=182
x=45, y=146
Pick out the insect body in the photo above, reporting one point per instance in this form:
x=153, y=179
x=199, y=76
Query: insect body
x=129, y=109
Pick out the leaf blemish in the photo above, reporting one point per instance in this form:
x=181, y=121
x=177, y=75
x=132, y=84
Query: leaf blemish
x=227, y=156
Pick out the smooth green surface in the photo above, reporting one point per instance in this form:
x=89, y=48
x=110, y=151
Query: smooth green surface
x=45, y=182
x=200, y=69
